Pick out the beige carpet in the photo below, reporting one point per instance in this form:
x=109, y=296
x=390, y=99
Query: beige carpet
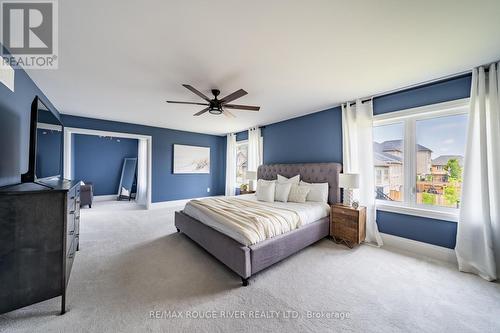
x=132, y=262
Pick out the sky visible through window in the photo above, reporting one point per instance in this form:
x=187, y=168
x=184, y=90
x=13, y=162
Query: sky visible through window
x=443, y=135
x=388, y=132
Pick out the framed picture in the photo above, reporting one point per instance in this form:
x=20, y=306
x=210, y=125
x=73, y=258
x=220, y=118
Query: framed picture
x=191, y=159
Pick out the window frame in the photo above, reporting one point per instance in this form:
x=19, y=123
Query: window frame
x=409, y=117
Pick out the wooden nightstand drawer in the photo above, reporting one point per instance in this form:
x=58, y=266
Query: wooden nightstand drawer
x=347, y=224
x=345, y=211
x=246, y=192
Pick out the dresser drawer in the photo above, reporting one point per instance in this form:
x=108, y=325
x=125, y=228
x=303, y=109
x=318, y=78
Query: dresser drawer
x=70, y=228
x=70, y=236
x=70, y=220
x=338, y=211
x=77, y=225
x=347, y=233
x=345, y=220
x=70, y=257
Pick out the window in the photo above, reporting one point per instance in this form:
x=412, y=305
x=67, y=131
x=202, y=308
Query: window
x=418, y=158
x=440, y=157
x=241, y=161
x=388, y=159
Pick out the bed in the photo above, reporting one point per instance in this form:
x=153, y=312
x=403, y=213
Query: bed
x=248, y=259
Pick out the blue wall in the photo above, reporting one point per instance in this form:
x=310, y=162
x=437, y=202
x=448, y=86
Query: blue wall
x=100, y=159
x=436, y=232
x=243, y=135
x=15, y=110
x=315, y=137
x=448, y=90
x=166, y=185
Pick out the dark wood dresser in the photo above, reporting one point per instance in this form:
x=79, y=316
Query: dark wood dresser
x=39, y=236
x=347, y=225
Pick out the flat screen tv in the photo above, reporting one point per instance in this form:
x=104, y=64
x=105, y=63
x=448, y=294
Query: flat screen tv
x=46, y=144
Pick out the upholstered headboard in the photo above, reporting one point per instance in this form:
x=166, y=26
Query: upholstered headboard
x=309, y=172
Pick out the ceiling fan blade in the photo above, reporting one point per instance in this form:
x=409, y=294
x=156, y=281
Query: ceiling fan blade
x=231, y=97
x=201, y=112
x=197, y=92
x=193, y=103
x=242, y=107
x=228, y=114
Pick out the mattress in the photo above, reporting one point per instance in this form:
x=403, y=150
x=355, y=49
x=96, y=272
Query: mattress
x=308, y=212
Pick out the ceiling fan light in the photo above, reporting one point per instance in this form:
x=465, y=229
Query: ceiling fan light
x=215, y=111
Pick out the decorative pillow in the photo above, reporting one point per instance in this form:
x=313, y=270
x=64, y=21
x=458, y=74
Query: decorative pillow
x=265, y=190
x=282, y=191
x=292, y=180
x=298, y=193
x=318, y=191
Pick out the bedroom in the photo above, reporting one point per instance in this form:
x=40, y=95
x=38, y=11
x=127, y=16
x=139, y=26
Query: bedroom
x=368, y=131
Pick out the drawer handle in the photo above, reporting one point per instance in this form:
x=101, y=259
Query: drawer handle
x=77, y=217
x=71, y=255
x=72, y=232
x=72, y=197
x=72, y=212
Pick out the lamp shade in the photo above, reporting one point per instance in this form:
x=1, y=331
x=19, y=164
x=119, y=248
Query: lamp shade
x=250, y=175
x=349, y=180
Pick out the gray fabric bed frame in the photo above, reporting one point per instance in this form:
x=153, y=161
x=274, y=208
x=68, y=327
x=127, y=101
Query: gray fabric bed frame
x=247, y=260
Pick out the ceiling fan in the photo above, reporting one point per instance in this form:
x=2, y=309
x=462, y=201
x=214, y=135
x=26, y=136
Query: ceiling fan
x=218, y=106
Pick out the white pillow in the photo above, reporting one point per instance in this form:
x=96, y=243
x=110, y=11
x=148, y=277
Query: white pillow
x=265, y=190
x=318, y=191
x=282, y=191
x=298, y=193
x=293, y=180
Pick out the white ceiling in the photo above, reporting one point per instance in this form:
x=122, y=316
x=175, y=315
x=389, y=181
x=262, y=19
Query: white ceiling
x=120, y=60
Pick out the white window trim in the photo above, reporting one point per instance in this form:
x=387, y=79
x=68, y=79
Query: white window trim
x=409, y=117
x=438, y=213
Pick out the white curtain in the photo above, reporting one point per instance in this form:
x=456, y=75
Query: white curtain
x=231, y=164
x=478, y=236
x=142, y=172
x=254, y=149
x=357, y=128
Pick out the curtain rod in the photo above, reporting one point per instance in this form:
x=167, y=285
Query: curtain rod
x=421, y=84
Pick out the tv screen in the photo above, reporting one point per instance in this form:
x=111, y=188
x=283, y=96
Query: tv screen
x=46, y=144
x=49, y=144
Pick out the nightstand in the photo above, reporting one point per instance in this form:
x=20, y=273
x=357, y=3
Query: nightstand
x=347, y=225
x=247, y=192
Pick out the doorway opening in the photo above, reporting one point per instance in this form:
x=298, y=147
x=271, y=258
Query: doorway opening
x=79, y=142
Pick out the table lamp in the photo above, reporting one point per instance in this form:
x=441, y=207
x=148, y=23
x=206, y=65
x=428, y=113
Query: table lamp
x=348, y=181
x=251, y=176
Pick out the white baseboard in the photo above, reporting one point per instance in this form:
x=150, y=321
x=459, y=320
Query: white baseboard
x=174, y=203
x=105, y=197
x=419, y=248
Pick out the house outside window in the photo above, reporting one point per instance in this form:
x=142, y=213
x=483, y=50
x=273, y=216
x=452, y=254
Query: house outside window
x=421, y=151
x=388, y=159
